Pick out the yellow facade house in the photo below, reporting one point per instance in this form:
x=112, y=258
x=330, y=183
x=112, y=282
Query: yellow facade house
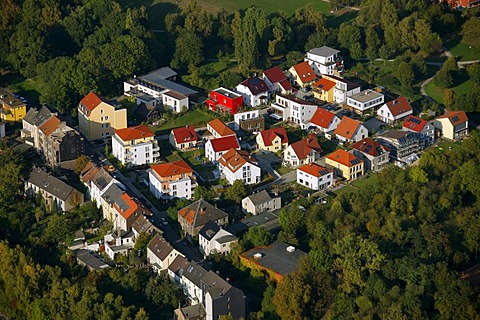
x=11, y=108
x=272, y=140
x=345, y=164
x=98, y=119
x=324, y=90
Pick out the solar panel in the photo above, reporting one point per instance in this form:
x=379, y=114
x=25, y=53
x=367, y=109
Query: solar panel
x=324, y=172
x=354, y=162
x=455, y=119
x=368, y=148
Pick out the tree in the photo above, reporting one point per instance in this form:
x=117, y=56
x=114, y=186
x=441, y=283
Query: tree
x=427, y=40
x=237, y=191
x=293, y=57
x=188, y=50
x=356, y=51
x=471, y=32
x=292, y=223
x=417, y=174
x=348, y=35
x=449, y=98
x=10, y=175
x=474, y=72
x=162, y=292
x=443, y=79
x=450, y=65
x=202, y=192
x=257, y=237
x=405, y=74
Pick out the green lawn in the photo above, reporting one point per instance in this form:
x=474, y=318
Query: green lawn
x=27, y=88
x=195, y=118
x=463, y=52
x=367, y=181
x=463, y=87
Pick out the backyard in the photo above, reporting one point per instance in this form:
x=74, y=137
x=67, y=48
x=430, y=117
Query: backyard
x=196, y=118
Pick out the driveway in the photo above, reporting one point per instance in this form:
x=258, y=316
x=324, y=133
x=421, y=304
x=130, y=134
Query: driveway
x=373, y=124
x=265, y=160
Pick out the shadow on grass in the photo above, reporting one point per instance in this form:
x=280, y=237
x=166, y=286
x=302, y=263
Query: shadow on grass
x=334, y=21
x=157, y=11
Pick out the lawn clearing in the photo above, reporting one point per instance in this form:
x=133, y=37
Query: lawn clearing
x=464, y=52
x=196, y=118
x=436, y=93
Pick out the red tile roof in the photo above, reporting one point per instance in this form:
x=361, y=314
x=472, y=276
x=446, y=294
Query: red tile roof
x=185, y=134
x=91, y=100
x=270, y=134
x=305, y=72
x=133, y=133
x=314, y=170
x=172, y=168
x=347, y=127
x=370, y=146
x=255, y=85
x=50, y=125
x=455, y=117
x=225, y=143
x=275, y=74
x=322, y=118
x=399, y=106
x=132, y=206
x=221, y=128
x=234, y=159
x=286, y=85
x=343, y=157
x=303, y=148
x=324, y=84
x=414, y=123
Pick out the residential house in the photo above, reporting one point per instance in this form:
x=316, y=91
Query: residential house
x=294, y=109
x=324, y=90
x=160, y=254
x=324, y=120
x=350, y=130
x=118, y=243
x=277, y=81
x=215, y=148
x=177, y=267
x=194, y=312
x=113, y=193
x=224, y=100
x=87, y=259
x=172, y=180
x=215, y=240
x=345, y=164
x=97, y=180
x=278, y=259
x=99, y=118
x=324, y=60
x=249, y=121
x=159, y=88
x=195, y=216
x=254, y=91
x=57, y=194
x=126, y=210
x=462, y=4
x=218, y=129
x=302, y=74
x=2, y=129
x=11, y=108
x=143, y=225
x=403, y=145
x=302, y=152
x=238, y=165
x=425, y=128
x=31, y=125
x=453, y=125
x=365, y=100
x=191, y=283
x=183, y=138
x=343, y=88
x=260, y=202
x=374, y=154
x=272, y=140
x=394, y=110
x=135, y=146
x=314, y=176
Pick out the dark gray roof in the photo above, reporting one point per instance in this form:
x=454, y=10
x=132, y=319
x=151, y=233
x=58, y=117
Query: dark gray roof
x=38, y=117
x=159, y=77
x=209, y=230
x=324, y=51
x=399, y=135
x=142, y=224
x=178, y=265
x=102, y=178
x=260, y=197
x=161, y=73
x=215, y=285
x=203, y=213
x=194, y=312
x=226, y=238
x=113, y=194
x=276, y=257
x=90, y=260
x=267, y=219
x=50, y=184
x=350, y=84
x=194, y=272
x=160, y=247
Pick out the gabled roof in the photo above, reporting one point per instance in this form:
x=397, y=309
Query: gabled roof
x=101, y=178
x=343, y=157
x=88, y=172
x=286, y=85
x=455, y=117
x=269, y=135
x=324, y=84
x=350, y=84
x=399, y=106
x=194, y=273
x=50, y=126
x=314, y=170
x=323, y=51
x=50, y=184
x=275, y=74
x=160, y=247
x=414, y=123
x=224, y=143
x=255, y=85
x=142, y=224
x=171, y=168
x=92, y=100
x=259, y=198
x=178, y=265
x=221, y=128
x=209, y=230
x=185, y=134
x=127, y=207
x=370, y=146
x=347, y=127
x=200, y=212
x=303, y=147
x=134, y=133
x=305, y=72
x=38, y=117
x=322, y=118
x=234, y=159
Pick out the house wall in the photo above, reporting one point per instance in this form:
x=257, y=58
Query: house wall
x=276, y=144
x=102, y=121
x=372, y=163
x=135, y=152
x=231, y=303
x=314, y=183
x=13, y=114
x=386, y=116
x=331, y=126
x=250, y=99
x=349, y=173
x=271, y=205
x=361, y=106
x=2, y=129
x=291, y=159
x=178, y=186
x=174, y=104
x=181, y=146
x=248, y=173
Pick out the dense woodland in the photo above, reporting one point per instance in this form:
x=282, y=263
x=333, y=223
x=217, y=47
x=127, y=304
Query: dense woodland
x=72, y=47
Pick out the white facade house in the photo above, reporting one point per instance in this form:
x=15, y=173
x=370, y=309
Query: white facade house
x=277, y=81
x=118, y=244
x=212, y=239
x=97, y=180
x=254, y=91
x=324, y=60
x=425, y=128
x=343, y=88
x=302, y=152
x=175, y=102
x=365, y=100
x=160, y=254
x=172, y=180
x=294, y=109
x=260, y=202
x=324, y=121
x=215, y=148
x=243, y=116
x=135, y=146
x=350, y=130
x=237, y=165
x=394, y=110
x=190, y=282
x=314, y=176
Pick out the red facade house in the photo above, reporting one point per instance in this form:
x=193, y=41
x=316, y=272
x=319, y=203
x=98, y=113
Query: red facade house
x=224, y=100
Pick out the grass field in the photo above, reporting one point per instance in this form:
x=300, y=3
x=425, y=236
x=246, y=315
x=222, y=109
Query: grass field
x=28, y=88
x=462, y=51
x=195, y=118
x=464, y=85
